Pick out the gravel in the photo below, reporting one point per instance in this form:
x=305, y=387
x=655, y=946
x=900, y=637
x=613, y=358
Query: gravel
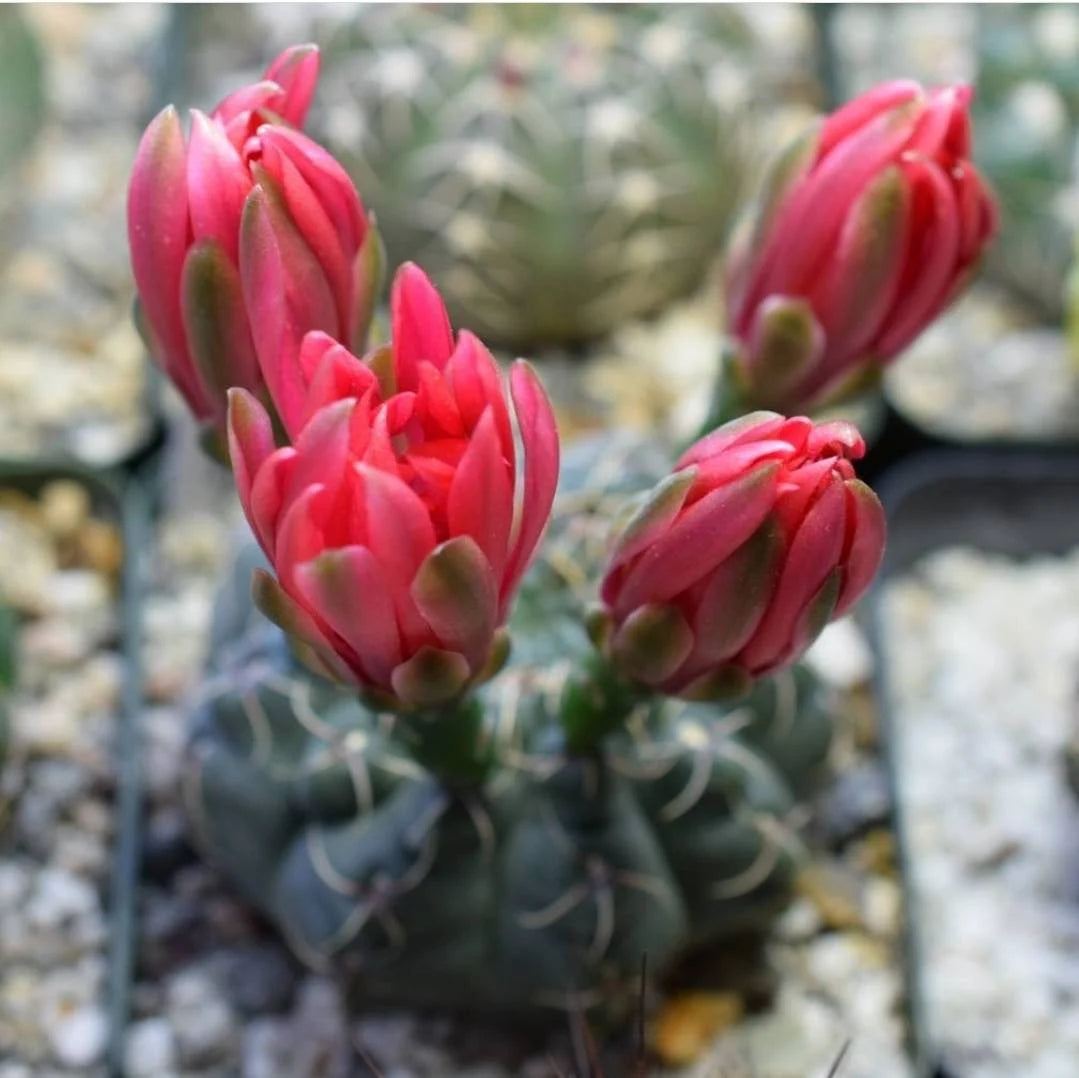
x=56, y=816
x=74, y=377
x=984, y=656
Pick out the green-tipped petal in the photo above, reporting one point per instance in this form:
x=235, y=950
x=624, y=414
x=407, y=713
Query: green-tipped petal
x=865, y=272
x=216, y=322
x=497, y=657
x=652, y=643
x=657, y=512
x=432, y=676
x=368, y=277
x=737, y=595
x=382, y=364
x=726, y=683
x=787, y=343
x=455, y=592
x=598, y=625
x=287, y=614
x=788, y=167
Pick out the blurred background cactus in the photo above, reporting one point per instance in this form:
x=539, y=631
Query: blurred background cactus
x=1026, y=113
x=557, y=170
x=22, y=88
x=548, y=884
x=22, y=108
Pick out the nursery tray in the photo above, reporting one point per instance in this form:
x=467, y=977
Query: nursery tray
x=1009, y=502
x=123, y=505
x=57, y=459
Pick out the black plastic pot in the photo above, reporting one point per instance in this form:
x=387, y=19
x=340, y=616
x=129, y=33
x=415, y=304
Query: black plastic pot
x=1007, y=502
x=123, y=503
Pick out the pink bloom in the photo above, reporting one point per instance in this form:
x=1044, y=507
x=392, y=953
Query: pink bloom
x=399, y=523
x=868, y=227
x=740, y=557
x=244, y=237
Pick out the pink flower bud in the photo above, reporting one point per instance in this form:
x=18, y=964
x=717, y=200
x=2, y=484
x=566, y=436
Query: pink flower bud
x=738, y=559
x=400, y=522
x=244, y=236
x=867, y=228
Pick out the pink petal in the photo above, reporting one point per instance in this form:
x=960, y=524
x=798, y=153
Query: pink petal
x=456, y=592
x=400, y=537
x=474, y=378
x=339, y=375
x=287, y=296
x=480, y=500
x=347, y=588
x=312, y=222
x=296, y=72
x=839, y=438
x=282, y=609
x=267, y=497
x=977, y=211
x=859, y=287
x=655, y=515
x=323, y=450
x=217, y=184
x=943, y=123
x=735, y=598
x=738, y=460
x=313, y=349
x=251, y=441
x=813, y=553
x=435, y=403
x=419, y=323
x=864, y=551
x=215, y=319
x=865, y=108
x=539, y=438
x=705, y=534
x=331, y=184
x=806, y=229
x=241, y=103
x=747, y=428
x=957, y=143
x=930, y=264
x=300, y=534
x=158, y=233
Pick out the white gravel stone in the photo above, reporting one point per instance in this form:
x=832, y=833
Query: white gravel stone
x=201, y=1019
x=841, y=656
x=78, y=1039
x=150, y=1050
x=984, y=662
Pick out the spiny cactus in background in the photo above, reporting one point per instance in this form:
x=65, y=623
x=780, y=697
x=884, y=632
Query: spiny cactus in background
x=1026, y=112
x=558, y=171
x=543, y=886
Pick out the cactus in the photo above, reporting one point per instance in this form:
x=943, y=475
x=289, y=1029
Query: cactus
x=1025, y=112
x=547, y=883
x=557, y=171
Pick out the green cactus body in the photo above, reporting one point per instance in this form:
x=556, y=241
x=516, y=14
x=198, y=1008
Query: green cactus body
x=546, y=884
x=556, y=171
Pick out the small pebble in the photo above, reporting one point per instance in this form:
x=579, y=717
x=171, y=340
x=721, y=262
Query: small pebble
x=78, y=1039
